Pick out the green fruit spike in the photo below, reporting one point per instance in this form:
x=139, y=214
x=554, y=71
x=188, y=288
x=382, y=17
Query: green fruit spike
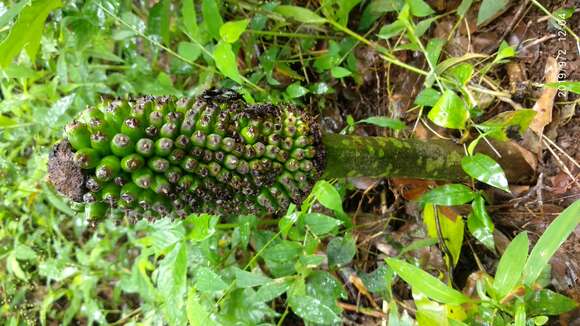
x=116, y=113
x=142, y=178
x=141, y=109
x=146, y=198
x=108, y=168
x=249, y=133
x=87, y=158
x=96, y=211
x=101, y=142
x=158, y=164
x=163, y=146
x=144, y=147
x=161, y=185
x=133, y=128
x=111, y=193
x=78, y=135
x=122, y=145
x=132, y=162
x=156, y=118
x=205, y=121
x=169, y=130
x=129, y=194
x=173, y=174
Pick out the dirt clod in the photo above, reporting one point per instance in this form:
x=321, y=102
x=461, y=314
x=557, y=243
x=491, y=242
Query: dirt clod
x=64, y=174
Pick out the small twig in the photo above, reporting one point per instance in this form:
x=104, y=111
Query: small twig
x=561, y=151
x=562, y=165
x=362, y=310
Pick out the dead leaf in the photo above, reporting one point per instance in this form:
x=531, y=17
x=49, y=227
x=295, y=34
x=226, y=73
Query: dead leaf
x=545, y=103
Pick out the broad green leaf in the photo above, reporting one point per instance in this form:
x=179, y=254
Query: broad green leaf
x=245, y=279
x=14, y=268
x=427, y=97
x=448, y=195
x=547, y=302
x=426, y=283
x=420, y=8
x=272, y=290
x=212, y=18
x=556, y=233
x=197, y=314
x=300, y=14
x=26, y=32
x=391, y=30
x=461, y=73
x=208, y=281
x=429, y=313
x=232, y=30
x=570, y=86
x=489, y=9
x=505, y=51
x=326, y=288
x=340, y=72
x=312, y=310
x=295, y=90
x=377, y=8
x=320, y=224
x=452, y=229
x=433, y=49
x=486, y=170
x=384, y=122
x=479, y=223
x=511, y=265
x=225, y=60
x=340, y=251
x=506, y=123
x=189, y=50
x=338, y=10
x=449, y=111
x=283, y=251
x=24, y=252
x=171, y=283
x=328, y=196
x=203, y=226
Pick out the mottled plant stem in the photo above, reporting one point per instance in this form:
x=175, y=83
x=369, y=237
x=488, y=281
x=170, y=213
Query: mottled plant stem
x=349, y=156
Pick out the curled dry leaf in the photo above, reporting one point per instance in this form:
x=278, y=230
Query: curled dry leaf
x=543, y=107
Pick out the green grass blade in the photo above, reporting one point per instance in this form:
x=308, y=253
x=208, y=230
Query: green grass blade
x=550, y=241
x=511, y=265
x=426, y=283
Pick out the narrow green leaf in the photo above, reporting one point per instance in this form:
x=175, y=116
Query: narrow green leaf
x=479, y=223
x=571, y=86
x=449, y=111
x=391, y=30
x=420, y=8
x=12, y=12
x=434, y=48
x=158, y=20
x=464, y=7
x=189, y=17
x=511, y=265
x=426, y=283
x=212, y=18
x=300, y=14
x=232, y=30
x=26, y=32
x=340, y=72
x=556, y=233
x=486, y=170
x=489, y=9
x=384, y=122
x=171, y=283
x=448, y=195
x=461, y=73
x=225, y=60
x=245, y=279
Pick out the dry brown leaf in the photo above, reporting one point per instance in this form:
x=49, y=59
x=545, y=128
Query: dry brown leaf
x=545, y=103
